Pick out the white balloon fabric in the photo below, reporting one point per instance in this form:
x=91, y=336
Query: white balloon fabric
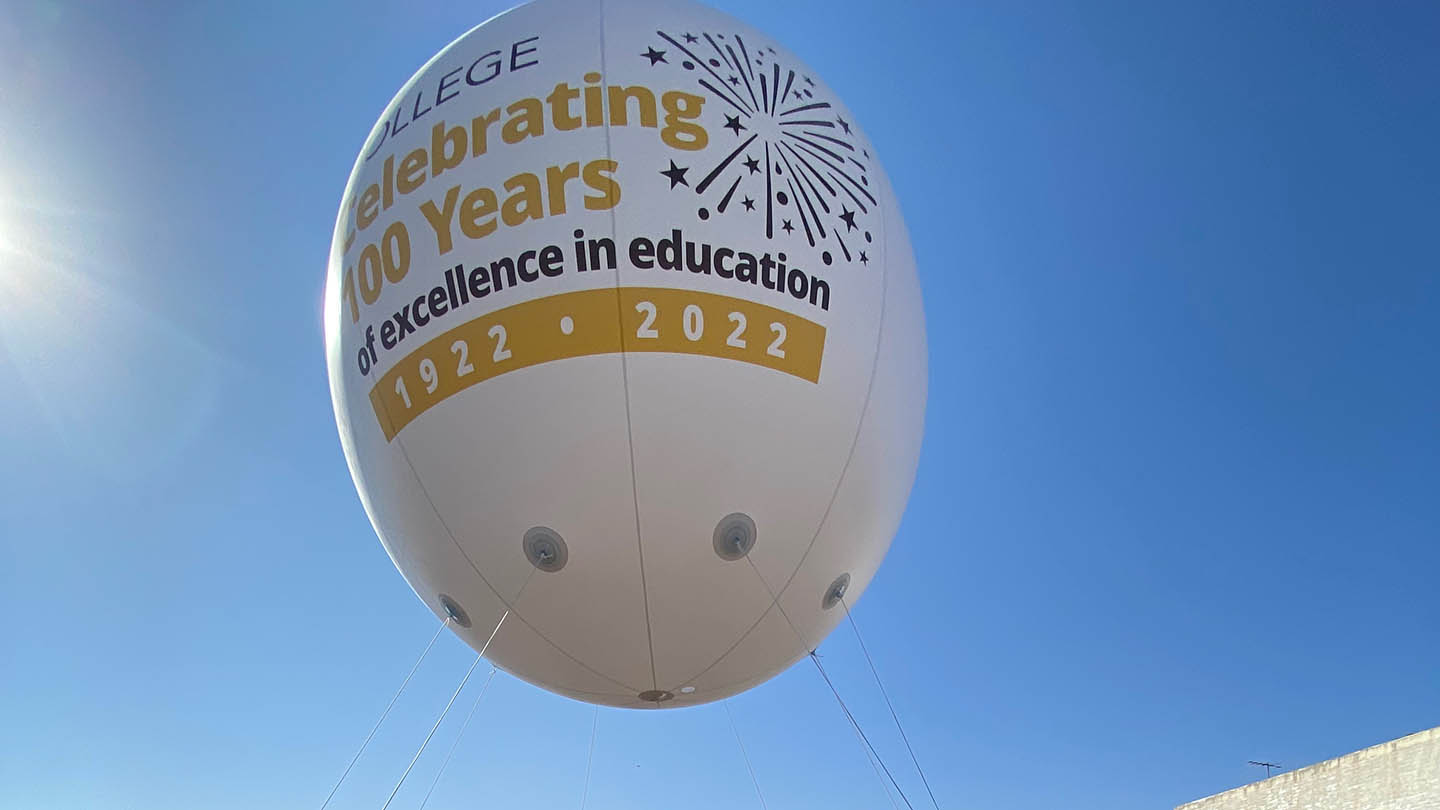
x=624, y=337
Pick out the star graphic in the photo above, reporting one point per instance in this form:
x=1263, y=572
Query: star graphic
x=735, y=80
x=752, y=164
x=843, y=124
x=863, y=258
x=748, y=203
x=732, y=122
x=848, y=217
x=690, y=37
x=787, y=226
x=655, y=56
x=676, y=175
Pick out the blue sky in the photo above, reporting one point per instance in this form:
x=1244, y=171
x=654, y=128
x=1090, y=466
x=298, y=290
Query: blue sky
x=1177, y=507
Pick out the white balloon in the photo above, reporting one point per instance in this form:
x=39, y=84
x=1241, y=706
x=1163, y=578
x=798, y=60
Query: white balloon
x=666, y=474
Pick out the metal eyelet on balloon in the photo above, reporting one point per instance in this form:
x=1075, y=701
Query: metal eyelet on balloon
x=457, y=614
x=545, y=549
x=734, y=536
x=836, y=591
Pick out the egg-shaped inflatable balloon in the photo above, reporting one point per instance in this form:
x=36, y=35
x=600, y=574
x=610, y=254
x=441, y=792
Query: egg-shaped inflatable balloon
x=625, y=339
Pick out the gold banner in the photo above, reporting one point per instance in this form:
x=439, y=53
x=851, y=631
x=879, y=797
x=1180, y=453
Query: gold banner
x=576, y=324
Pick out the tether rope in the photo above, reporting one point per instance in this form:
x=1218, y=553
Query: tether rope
x=875, y=766
x=385, y=713
x=445, y=711
x=853, y=722
x=743, y=754
x=456, y=744
x=888, y=704
x=590, y=758
x=870, y=752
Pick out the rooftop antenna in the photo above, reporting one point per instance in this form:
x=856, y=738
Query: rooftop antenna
x=1267, y=766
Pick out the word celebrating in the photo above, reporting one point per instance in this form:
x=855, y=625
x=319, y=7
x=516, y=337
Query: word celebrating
x=579, y=324
x=526, y=118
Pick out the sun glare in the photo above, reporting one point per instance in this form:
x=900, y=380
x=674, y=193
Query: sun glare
x=10, y=243
x=9, y=261
x=19, y=263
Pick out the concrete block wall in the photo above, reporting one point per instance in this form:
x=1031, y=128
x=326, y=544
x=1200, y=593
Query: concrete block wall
x=1403, y=774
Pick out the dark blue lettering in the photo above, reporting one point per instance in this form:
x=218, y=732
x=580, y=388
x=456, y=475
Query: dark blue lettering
x=516, y=53
x=440, y=97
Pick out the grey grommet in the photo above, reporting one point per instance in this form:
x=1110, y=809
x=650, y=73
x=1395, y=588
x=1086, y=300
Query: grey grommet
x=545, y=549
x=456, y=613
x=656, y=695
x=734, y=536
x=836, y=591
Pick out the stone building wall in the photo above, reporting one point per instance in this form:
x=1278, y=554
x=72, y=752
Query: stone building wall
x=1400, y=775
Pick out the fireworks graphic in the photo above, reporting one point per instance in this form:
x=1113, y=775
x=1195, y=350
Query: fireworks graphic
x=812, y=170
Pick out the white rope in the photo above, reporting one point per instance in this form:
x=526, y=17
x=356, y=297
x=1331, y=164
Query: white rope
x=385, y=713
x=590, y=758
x=736, y=731
x=856, y=724
x=888, y=704
x=875, y=766
x=456, y=744
x=870, y=753
x=444, y=712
